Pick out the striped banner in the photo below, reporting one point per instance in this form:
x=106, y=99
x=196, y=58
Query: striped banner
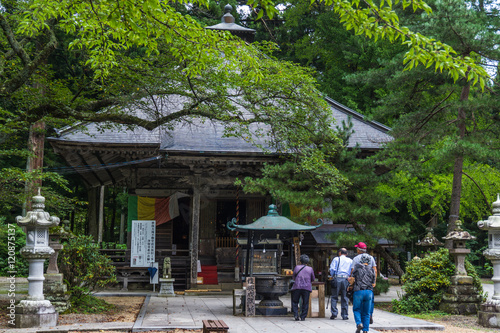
x=161, y=210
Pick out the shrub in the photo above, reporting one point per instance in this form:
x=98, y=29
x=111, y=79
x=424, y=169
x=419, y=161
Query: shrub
x=382, y=286
x=84, y=267
x=82, y=302
x=426, y=280
x=424, y=283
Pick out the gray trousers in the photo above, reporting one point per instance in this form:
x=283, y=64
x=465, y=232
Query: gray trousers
x=341, y=289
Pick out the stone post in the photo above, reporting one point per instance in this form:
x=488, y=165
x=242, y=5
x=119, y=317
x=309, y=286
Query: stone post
x=462, y=296
x=489, y=312
x=54, y=288
x=36, y=310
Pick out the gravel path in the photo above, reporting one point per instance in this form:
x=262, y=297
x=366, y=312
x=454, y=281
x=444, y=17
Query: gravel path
x=454, y=324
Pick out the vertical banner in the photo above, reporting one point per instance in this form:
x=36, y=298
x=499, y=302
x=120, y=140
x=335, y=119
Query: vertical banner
x=142, y=249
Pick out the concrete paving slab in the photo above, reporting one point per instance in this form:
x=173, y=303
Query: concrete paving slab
x=189, y=311
x=160, y=313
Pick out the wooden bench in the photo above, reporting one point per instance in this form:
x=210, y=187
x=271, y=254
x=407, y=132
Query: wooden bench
x=215, y=326
x=131, y=274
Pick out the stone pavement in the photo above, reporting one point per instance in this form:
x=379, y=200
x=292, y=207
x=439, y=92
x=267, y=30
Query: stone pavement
x=189, y=311
x=159, y=313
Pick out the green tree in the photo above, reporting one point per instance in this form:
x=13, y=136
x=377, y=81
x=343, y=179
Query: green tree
x=356, y=201
x=133, y=54
x=60, y=65
x=445, y=130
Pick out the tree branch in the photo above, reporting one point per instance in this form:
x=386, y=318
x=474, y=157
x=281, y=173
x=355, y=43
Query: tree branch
x=11, y=38
x=480, y=190
x=12, y=85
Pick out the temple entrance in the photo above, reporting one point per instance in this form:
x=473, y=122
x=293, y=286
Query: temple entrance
x=180, y=232
x=226, y=211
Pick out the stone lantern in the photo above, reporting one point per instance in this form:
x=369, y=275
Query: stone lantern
x=462, y=296
x=489, y=314
x=36, y=310
x=430, y=242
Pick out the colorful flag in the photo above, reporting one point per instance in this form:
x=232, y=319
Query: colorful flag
x=159, y=209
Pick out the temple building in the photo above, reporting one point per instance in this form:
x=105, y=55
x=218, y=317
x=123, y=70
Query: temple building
x=183, y=179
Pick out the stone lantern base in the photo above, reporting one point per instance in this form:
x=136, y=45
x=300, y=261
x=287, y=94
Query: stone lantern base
x=462, y=297
x=35, y=314
x=56, y=291
x=489, y=314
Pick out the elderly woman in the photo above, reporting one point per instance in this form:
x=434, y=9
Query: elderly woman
x=363, y=281
x=303, y=276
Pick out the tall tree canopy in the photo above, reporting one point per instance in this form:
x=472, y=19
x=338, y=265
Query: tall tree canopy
x=66, y=61
x=446, y=131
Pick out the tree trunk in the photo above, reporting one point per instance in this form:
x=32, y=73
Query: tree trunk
x=389, y=260
x=35, y=160
x=456, y=190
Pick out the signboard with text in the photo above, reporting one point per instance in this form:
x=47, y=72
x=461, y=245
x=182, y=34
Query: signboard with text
x=142, y=248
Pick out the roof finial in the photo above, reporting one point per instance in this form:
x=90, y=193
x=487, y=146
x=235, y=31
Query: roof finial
x=227, y=17
x=496, y=206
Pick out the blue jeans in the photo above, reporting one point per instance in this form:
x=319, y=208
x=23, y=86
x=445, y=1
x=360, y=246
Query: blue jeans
x=361, y=307
x=344, y=301
x=373, y=304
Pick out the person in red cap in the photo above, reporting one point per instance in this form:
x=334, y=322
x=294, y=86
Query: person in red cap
x=360, y=249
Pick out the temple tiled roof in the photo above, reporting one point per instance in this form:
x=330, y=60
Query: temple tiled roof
x=207, y=136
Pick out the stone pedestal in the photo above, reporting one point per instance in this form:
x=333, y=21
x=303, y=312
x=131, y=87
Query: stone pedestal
x=489, y=314
x=35, y=314
x=56, y=292
x=462, y=297
x=166, y=287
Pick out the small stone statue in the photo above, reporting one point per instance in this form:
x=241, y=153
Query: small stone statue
x=166, y=281
x=167, y=268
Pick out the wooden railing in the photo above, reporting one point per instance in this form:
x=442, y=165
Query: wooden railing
x=225, y=242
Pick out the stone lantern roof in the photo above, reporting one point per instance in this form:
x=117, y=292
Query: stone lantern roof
x=493, y=222
x=459, y=234
x=37, y=217
x=430, y=240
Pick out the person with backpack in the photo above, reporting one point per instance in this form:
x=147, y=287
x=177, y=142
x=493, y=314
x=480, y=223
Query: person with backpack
x=363, y=281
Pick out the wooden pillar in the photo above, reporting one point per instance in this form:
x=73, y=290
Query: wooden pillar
x=296, y=250
x=122, y=227
x=101, y=214
x=92, y=212
x=194, y=235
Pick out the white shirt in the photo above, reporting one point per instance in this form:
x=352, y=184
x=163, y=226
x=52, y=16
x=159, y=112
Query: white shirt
x=341, y=265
